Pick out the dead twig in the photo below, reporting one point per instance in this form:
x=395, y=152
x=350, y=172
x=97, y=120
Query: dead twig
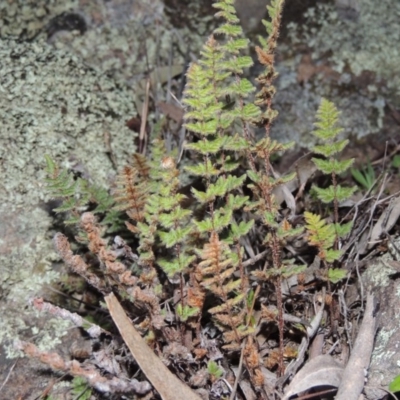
x=8, y=376
x=167, y=384
x=238, y=374
x=353, y=380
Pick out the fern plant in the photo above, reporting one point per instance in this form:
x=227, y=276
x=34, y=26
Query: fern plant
x=74, y=193
x=321, y=234
x=77, y=194
x=217, y=75
x=186, y=258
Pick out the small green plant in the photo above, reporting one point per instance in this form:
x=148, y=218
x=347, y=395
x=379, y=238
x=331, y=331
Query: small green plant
x=394, y=386
x=365, y=177
x=321, y=234
x=80, y=389
x=77, y=195
x=214, y=370
x=396, y=161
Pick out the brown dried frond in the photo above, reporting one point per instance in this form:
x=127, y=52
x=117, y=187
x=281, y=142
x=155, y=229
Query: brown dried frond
x=93, y=330
x=228, y=305
x=286, y=225
x=264, y=58
x=199, y=379
x=214, y=267
x=234, y=346
x=148, y=298
x=76, y=262
x=149, y=274
x=134, y=229
x=221, y=276
x=251, y=354
x=217, y=272
x=231, y=336
x=127, y=279
x=141, y=166
x=89, y=372
x=301, y=279
x=273, y=359
x=200, y=353
x=151, y=302
x=291, y=351
x=328, y=299
x=227, y=320
x=107, y=257
x=131, y=194
x=195, y=297
x=258, y=378
x=268, y=314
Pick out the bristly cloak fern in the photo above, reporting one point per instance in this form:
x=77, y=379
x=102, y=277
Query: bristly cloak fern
x=192, y=256
x=216, y=76
x=77, y=195
x=321, y=234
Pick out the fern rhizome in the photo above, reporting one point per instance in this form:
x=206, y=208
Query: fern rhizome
x=190, y=264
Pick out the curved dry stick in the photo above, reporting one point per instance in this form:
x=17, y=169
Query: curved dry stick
x=164, y=381
x=353, y=380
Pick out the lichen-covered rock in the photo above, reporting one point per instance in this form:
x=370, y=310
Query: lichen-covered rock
x=68, y=84
x=367, y=41
x=50, y=103
x=352, y=61
x=25, y=18
x=385, y=361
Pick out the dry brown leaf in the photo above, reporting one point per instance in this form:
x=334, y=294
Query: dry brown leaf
x=305, y=169
x=167, y=384
x=160, y=75
x=320, y=371
x=171, y=110
x=386, y=221
x=307, y=69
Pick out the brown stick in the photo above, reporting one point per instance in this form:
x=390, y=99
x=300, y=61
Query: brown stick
x=167, y=384
x=352, y=383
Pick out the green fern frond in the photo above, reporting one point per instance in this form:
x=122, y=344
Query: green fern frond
x=335, y=275
x=333, y=166
x=323, y=236
x=81, y=388
x=214, y=370
x=330, y=149
x=176, y=265
x=332, y=193
x=327, y=129
x=185, y=312
x=327, y=119
x=75, y=193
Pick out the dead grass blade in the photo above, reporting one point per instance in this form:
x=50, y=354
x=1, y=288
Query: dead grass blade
x=354, y=374
x=167, y=385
